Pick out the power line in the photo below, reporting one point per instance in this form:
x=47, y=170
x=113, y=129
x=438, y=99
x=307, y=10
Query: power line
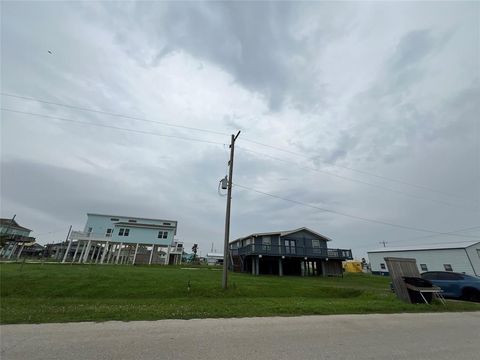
x=111, y=126
x=113, y=114
x=244, y=139
x=351, y=179
x=350, y=215
x=453, y=233
x=359, y=171
x=247, y=188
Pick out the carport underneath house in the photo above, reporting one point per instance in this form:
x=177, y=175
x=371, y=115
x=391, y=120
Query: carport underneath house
x=296, y=252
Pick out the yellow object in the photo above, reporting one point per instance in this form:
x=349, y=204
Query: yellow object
x=352, y=266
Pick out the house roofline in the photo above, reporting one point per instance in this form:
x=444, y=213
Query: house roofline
x=425, y=248
x=12, y=224
x=282, y=233
x=132, y=217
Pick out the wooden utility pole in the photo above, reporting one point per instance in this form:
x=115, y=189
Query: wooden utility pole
x=227, y=215
x=69, y=244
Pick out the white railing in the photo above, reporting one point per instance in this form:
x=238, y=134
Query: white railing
x=176, y=249
x=83, y=235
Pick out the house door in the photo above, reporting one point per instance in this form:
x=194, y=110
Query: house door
x=290, y=246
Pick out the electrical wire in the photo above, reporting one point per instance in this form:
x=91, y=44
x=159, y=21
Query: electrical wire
x=111, y=126
x=113, y=114
x=453, y=232
x=225, y=134
x=359, y=171
x=381, y=222
x=354, y=180
x=238, y=185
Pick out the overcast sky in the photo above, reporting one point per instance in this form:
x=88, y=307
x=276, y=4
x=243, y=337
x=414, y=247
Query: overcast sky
x=390, y=90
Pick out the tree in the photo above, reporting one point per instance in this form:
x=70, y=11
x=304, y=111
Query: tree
x=194, y=249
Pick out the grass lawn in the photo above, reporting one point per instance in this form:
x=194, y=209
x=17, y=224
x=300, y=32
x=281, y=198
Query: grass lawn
x=36, y=293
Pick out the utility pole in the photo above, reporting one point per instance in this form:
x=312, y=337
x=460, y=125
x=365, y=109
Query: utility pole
x=227, y=215
x=384, y=243
x=69, y=244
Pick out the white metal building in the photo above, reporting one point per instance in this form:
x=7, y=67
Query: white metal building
x=214, y=259
x=461, y=257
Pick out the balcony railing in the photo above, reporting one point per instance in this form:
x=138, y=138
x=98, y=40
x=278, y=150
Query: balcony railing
x=83, y=235
x=292, y=251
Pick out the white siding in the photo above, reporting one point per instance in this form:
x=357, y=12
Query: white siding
x=474, y=255
x=434, y=259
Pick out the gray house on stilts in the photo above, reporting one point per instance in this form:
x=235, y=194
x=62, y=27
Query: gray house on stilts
x=295, y=252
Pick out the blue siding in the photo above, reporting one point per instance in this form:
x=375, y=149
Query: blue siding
x=304, y=238
x=142, y=235
x=100, y=223
x=295, y=244
x=4, y=230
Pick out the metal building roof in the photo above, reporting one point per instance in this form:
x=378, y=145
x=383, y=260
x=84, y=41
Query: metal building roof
x=438, y=246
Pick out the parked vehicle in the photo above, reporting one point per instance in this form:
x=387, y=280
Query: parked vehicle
x=455, y=285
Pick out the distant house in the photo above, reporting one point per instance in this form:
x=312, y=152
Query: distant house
x=57, y=250
x=294, y=252
x=33, y=250
x=214, y=259
x=13, y=238
x=125, y=240
x=462, y=257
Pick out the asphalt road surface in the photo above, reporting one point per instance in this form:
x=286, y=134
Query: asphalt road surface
x=397, y=336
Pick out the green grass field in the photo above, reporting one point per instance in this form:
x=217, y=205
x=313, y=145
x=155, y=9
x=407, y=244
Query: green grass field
x=36, y=293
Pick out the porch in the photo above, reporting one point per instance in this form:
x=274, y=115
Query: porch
x=287, y=266
x=292, y=251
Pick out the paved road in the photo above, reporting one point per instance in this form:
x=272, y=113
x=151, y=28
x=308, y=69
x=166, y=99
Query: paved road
x=399, y=336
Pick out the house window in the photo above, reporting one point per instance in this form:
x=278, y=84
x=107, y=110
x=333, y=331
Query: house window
x=316, y=246
x=447, y=267
x=132, y=221
x=266, y=243
x=162, y=234
x=114, y=219
x=121, y=231
x=167, y=224
x=127, y=231
x=382, y=266
x=89, y=230
x=165, y=234
x=424, y=267
x=290, y=246
x=109, y=233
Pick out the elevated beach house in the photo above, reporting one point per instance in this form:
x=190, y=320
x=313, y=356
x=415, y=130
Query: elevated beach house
x=13, y=238
x=295, y=252
x=125, y=240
